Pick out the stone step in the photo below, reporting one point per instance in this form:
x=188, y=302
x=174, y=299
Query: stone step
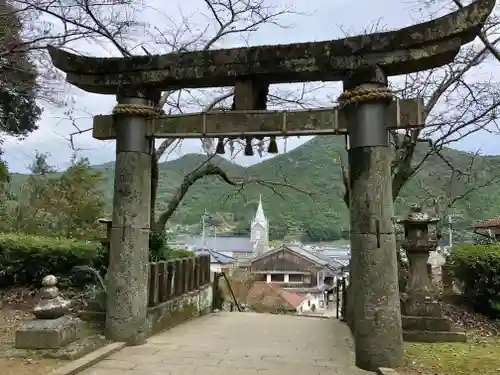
x=426, y=323
x=434, y=336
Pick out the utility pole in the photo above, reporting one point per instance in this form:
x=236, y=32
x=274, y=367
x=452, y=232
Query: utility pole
x=203, y=230
x=450, y=232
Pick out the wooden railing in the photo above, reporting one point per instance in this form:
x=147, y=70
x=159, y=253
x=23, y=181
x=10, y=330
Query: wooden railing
x=173, y=278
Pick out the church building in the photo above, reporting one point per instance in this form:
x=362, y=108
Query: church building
x=241, y=248
x=259, y=231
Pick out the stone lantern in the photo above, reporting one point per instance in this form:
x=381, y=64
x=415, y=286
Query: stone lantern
x=421, y=311
x=418, y=243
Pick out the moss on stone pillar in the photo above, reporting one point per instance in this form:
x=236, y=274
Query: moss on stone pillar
x=127, y=278
x=376, y=320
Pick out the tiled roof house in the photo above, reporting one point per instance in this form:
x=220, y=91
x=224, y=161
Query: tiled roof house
x=269, y=296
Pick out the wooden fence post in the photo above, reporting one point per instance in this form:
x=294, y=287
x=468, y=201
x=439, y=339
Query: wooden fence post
x=197, y=272
x=162, y=274
x=185, y=279
x=170, y=279
x=205, y=268
x=192, y=273
x=153, y=284
x=179, y=277
x=202, y=270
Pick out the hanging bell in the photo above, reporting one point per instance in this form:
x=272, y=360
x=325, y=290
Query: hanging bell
x=260, y=145
x=273, y=146
x=220, y=147
x=260, y=148
x=248, y=147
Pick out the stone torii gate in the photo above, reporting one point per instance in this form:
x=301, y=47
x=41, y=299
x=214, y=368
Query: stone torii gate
x=366, y=110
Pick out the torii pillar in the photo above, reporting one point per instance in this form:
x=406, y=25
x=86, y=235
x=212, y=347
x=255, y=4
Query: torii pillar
x=127, y=284
x=374, y=275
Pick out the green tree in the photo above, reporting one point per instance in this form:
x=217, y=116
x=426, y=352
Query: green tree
x=242, y=228
x=4, y=174
x=321, y=231
x=66, y=204
x=79, y=202
x=19, y=111
x=40, y=165
x=29, y=213
x=5, y=195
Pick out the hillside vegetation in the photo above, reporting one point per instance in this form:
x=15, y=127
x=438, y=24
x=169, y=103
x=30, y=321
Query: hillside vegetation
x=313, y=167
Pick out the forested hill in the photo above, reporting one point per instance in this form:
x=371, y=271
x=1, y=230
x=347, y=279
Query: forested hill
x=313, y=168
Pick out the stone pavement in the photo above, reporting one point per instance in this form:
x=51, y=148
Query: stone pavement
x=227, y=343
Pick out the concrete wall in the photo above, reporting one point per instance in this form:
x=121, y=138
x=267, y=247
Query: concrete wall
x=169, y=313
x=180, y=309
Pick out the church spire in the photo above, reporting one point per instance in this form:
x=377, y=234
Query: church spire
x=259, y=233
x=259, y=215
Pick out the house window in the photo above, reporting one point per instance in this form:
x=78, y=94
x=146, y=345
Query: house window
x=278, y=277
x=294, y=278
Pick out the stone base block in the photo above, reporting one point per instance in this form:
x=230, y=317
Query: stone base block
x=47, y=334
x=421, y=306
x=78, y=348
x=434, y=336
x=426, y=323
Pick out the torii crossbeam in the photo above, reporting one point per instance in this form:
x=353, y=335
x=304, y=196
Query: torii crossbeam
x=419, y=47
x=401, y=114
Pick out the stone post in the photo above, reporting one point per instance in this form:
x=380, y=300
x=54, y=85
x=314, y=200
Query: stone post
x=108, y=225
x=127, y=293
x=374, y=270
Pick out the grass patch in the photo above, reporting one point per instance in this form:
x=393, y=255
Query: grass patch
x=478, y=356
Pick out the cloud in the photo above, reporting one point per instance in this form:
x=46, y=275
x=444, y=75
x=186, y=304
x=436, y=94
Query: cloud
x=315, y=20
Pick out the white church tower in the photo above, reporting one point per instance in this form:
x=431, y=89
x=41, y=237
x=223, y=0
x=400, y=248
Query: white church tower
x=259, y=231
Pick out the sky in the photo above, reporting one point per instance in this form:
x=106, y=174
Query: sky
x=313, y=20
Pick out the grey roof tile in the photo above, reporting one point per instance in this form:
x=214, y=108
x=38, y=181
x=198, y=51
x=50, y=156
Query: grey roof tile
x=221, y=243
x=216, y=257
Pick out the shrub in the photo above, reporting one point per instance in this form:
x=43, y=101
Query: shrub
x=157, y=245
x=160, y=250
x=477, y=268
x=169, y=253
x=26, y=259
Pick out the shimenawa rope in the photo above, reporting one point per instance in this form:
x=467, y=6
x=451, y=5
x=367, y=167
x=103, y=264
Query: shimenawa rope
x=348, y=97
x=360, y=95
x=138, y=110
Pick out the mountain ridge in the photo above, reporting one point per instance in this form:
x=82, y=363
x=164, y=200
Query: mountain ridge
x=313, y=168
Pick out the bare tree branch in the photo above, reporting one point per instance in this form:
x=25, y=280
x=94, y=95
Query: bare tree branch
x=209, y=169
